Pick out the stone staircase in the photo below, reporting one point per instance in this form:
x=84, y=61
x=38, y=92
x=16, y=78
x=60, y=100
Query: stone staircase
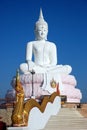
x=67, y=119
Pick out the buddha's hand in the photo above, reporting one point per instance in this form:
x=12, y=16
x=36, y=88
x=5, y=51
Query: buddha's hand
x=31, y=64
x=45, y=66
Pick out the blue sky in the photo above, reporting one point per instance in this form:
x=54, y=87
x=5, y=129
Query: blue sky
x=67, y=20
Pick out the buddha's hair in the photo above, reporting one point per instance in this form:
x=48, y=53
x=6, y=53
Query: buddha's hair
x=38, y=23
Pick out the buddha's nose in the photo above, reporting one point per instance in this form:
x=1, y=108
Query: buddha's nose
x=42, y=33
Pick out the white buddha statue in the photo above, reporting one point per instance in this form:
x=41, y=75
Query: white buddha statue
x=44, y=52
x=46, y=68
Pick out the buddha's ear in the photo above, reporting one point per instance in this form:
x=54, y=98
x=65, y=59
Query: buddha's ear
x=46, y=35
x=46, y=38
x=35, y=33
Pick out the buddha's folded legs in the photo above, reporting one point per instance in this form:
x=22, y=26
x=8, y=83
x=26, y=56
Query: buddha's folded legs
x=60, y=69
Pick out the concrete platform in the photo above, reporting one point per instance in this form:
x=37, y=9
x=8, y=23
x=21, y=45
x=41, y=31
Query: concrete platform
x=67, y=119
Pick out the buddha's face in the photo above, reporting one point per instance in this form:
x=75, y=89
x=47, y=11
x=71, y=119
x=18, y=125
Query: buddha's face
x=41, y=32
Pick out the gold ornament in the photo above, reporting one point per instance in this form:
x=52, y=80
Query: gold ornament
x=53, y=83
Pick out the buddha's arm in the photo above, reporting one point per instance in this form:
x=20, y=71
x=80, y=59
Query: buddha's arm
x=29, y=53
x=53, y=55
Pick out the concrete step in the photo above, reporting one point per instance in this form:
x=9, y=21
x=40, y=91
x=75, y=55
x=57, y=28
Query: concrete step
x=67, y=119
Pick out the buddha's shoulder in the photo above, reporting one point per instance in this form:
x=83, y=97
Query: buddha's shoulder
x=51, y=43
x=31, y=42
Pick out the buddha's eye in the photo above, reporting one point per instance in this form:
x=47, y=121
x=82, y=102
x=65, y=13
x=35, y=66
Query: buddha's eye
x=39, y=30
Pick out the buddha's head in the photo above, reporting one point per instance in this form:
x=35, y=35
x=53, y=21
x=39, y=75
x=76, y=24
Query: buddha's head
x=41, y=28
